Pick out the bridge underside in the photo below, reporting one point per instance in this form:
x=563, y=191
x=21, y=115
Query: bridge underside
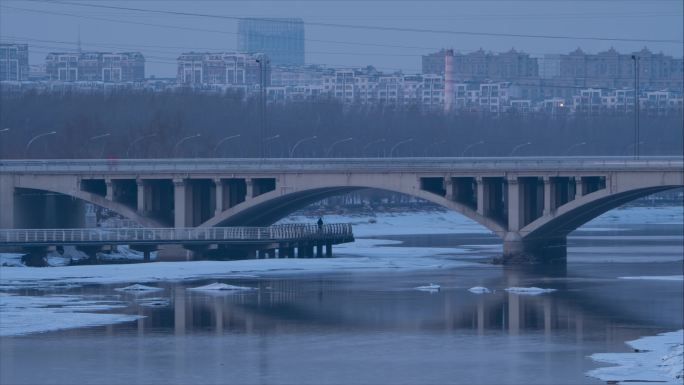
x=532, y=212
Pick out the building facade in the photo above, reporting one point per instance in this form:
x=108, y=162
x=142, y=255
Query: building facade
x=281, y=39
x=223, y=68
x=14, y=62
x=95, y=67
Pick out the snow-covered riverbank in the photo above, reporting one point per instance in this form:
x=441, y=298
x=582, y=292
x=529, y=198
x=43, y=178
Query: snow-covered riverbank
x=655, y=359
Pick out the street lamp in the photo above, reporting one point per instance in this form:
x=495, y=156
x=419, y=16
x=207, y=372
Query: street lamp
x=175, y=148
x=626, y=150
x=292, y=150
x=372, y=143
x=4, y=130
x=399, y=144
x=519, y=146
x=37, y=137
x=327, y=153
x=636, y=106
x=220, y=142
x=468, y=147
x=270, y=138
x=96, y=137
x=128, y=150
x=567, y=151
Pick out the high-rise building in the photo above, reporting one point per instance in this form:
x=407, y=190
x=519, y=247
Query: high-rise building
x=14, y=64
x=281, y=39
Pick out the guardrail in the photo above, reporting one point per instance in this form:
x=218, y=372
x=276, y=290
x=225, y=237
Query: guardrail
x=247, y=165
x=283, y=233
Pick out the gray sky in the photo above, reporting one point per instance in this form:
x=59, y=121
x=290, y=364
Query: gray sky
x=118, y=30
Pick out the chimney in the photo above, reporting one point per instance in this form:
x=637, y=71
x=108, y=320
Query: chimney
x=448, y=80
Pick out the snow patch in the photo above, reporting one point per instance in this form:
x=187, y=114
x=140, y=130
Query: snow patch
x=528, y=290
x=656, y=359
x=430, y=288
x=657, y=277
x=221, y=286
x=20, y=315
x=139, y=288
x=479, y=290
x=154, y=302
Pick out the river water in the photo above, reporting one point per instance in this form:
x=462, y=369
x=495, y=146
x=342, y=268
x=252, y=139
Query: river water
x=374, y=327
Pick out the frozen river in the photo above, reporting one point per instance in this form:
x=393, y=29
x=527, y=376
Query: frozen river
x=356, y=319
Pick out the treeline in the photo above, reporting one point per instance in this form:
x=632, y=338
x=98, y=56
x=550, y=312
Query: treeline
x=161, y=125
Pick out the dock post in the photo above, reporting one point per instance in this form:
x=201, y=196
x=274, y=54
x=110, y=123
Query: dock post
x=328, y=250
x=319, y=250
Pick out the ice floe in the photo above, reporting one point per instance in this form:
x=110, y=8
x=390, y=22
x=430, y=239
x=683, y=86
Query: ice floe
x=138, y=288
x=479, y=290
x=528, y=290
x=221, y=287
x=153, y=302
x=657, y=277
x=657, y=358
x=431, y=287
x=21, y=315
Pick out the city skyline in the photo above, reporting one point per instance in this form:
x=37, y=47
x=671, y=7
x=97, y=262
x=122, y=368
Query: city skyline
x=389, y=38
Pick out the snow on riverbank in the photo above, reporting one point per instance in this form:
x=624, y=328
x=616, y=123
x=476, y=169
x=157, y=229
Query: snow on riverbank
x=658, y=359
x=21, y=315
x=528, y=290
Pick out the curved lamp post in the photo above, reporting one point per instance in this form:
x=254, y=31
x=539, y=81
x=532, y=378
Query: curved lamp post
x=128, y=150
x=4, y=130
x=399, y=144
x=567, y=151
x=96, y=137
x=300, y=141
x=35, y=138
x=329, y=150
x=519, y=146
x=633, y=145
x=471, y=145
x=220, y=142
x=265, y=148
x=175, y=148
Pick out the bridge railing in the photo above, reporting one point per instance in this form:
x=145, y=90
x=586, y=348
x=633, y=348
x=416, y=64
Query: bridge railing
x=290, y=232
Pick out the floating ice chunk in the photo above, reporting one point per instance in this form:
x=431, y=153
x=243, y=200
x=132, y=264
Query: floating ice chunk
x=528, y=290
x=154, y=302
x=221, y=286
x=431, y=288
x=479, y=290
x=138, y=287
x=656, y=359
x=657, y=277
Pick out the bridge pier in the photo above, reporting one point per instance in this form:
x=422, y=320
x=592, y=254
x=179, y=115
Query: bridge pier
x=517, y=250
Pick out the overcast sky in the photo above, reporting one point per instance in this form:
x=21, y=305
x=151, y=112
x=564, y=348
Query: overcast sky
x=50, y=26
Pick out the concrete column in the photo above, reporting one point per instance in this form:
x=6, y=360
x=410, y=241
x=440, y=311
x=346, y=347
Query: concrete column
x=219, y=196
x=319, y=250
x=578, y=187
x=514, y=205
x=449, y=188
x=179, y=203
x=480, y=195
x=141, y=196
x=328, y=250
x=547, y=196
x=249, y=183
x=110, y=190
x=7, y=204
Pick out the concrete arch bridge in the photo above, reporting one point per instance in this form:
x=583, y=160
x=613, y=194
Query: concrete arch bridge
x=530, y=203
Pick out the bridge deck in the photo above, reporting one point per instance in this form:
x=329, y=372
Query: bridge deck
x=334, y=233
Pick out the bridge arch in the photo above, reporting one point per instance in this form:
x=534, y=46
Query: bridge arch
x=270, y=207
x=576, y=213
x=119, y=208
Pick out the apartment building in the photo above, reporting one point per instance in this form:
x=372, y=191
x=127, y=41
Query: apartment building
x=14, y=62
x=95, y=66
x=223, y=68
